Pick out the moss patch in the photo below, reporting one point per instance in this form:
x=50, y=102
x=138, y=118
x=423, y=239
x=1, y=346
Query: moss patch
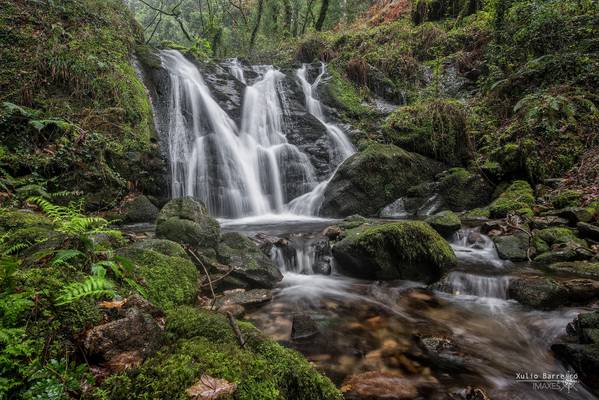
x=517, y=198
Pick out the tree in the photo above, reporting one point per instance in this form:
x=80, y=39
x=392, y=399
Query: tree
x=324, y=6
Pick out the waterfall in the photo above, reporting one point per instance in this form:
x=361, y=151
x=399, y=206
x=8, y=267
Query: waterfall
x=237, y=71
x=235, y=171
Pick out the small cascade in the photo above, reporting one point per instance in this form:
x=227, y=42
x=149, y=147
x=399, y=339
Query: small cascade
x=236, y=172
x=236, y=70
x=397, y=209
x=303, y=254
x=473, y=248
x=463, y=283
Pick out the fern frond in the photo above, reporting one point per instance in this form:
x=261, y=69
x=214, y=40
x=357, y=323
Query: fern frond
x=15, y=248
x=63, y=256
x=92, y=286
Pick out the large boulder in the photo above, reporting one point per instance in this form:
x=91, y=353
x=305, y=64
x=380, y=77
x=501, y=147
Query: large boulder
x=461, y=189
x=537, y=292
x=512, y=247
x=445, y=222
x=140, y=209
x=400, y=250
x=251, y=268
x=518, y=198
x=373, y=178
x=579, y=268
x=186, y=221
x=588, y=230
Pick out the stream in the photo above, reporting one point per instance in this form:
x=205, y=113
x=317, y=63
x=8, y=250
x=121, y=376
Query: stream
x=461, y=332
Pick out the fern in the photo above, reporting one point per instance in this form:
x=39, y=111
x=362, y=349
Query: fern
x=93, y=286
x=15, y=248
x=63, y=256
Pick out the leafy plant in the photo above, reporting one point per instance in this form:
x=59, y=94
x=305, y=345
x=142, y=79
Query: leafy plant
x=96, y=285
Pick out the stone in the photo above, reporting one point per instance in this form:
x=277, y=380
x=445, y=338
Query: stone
x=573, y=214
x=204, y=234
x=303, y=327
x=443, y=353
x=162, y=246
x=184, y=208
x=409, y=250
x=251, y=267
x=588, y=230
x=373, y=178
x=579, y=268
x=445, y=222
x=136, y=334
x=140, y=209
x=581, y=290
x=378, y=385
x=537, y=292
x=462, y=190
x=323, y=266
x=512, y=247
x=558, y=256
x=333, y=232
x=584, y=358
x=489, y=226
x=547, y=222
x=246, y=298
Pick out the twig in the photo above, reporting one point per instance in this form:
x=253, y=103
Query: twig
x=236, y=329
x=219, y=278
x=207, y=275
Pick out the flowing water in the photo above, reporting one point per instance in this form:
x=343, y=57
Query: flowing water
x=463, y=331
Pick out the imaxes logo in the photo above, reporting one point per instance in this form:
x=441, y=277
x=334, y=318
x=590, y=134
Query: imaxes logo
x=550, y=381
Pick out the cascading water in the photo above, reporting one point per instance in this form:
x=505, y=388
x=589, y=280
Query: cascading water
x=246, y=170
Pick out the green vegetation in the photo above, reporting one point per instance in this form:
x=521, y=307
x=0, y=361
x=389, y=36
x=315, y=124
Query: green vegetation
x=518, y=198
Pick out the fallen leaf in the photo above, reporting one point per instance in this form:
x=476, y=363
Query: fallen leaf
x=210, y=388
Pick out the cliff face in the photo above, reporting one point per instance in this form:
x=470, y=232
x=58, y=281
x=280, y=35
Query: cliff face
x=74, y=114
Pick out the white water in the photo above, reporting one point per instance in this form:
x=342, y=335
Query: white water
x=243, y=171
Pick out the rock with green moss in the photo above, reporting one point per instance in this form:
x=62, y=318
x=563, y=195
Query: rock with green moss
x=373, y=178
x=584, y=269
x=537, y=292
x=168, y=280
x=140, y=209
x=162, y=246
x=518, y=198
x=251, y=267
x=544, y=239
x=203, y=343
x=445, y=222
x=561, y=255
x=566, y=198
x=399, y=250
x=436, y=129
x=461, y=189
x=588, y=230
x=513, y=247
x=476, y=214
x=574, y=214
x=186, y=221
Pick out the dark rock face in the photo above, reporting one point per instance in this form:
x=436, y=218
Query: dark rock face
x=462, y=190
x=251, y=267
x=588, y=230
x=141, y=209
x=537, y=292
x=512, y=247
x=400, y=250
x=245, y=298
x=445, y=222
x=125, y=341
x=303, y=327
x=373, y=178
x=573, y=214
x=581, y=349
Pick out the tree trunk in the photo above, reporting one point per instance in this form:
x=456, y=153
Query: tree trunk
x=324, y=6
x=257, y=25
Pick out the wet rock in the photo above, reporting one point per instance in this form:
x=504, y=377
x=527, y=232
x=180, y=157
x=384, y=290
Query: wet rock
x=140, y=209
x=512, y=247
x=573, y=214
x=558, y=256
x=442, y=352
x=489, y=226
x=588, y=230
x=537, y=292
x=251, y=267
x=470, y=393
x=581, y=290
x=186, y=221
x=184, y=208
x=303, y=328
x=125, y=341
x=162, y=246
x=445, y=222
x=547, y=222
x=246, y=298
x=373, y=178
x=579, y=268
x=236, y=310
x=323, y=266
x=333, y=232
x=462, y=190
x=399, y=250
x=378, y=385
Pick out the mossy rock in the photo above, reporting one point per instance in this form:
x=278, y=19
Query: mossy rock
x=251, y=267
x=204, y=343
x=168, y=280
x=537, y=292
x=556, y=235
x=462, y=190
x=373, y=178
x=15, y=219
x=436, y=129
x=579, y=268
x=512, y=247
x=162, y=246
x=399, y=250
x=476, y=214
x=518, y=198
x=566, y=198
x=204, y=234
x=445, y=222
x=184, y=208
x=140, y=209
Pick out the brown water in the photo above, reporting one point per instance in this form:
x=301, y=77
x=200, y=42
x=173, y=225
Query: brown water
x=477, y=337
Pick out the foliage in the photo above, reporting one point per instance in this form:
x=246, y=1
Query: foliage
x=517, y=198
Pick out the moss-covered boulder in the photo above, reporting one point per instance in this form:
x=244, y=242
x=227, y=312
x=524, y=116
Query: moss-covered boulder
x=445, y=222
x=162, y=246
x=186, y=221
x=251, y=267
x=169, y=281
x=517, y=198
x=373, y=178
x=545, y=239
x=513, y=247
x=566, y=198
x=204, y=344
x=584, y=269
x=399, y=250
x=140, y=209
x=588, y=230
x=461, y=189
x=436, y=129
x=537, y=292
